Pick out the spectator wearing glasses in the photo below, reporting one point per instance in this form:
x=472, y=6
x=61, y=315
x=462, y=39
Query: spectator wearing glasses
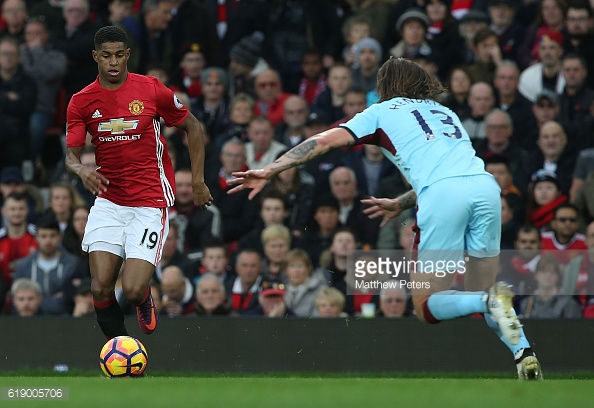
x=270, y=96
x=564, y=237
x=392, y=303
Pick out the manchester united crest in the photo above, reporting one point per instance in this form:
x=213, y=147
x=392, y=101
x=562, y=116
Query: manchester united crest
x=136, y=107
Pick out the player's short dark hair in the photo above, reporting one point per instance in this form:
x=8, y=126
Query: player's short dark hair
x=399, y=77
x=110, y=34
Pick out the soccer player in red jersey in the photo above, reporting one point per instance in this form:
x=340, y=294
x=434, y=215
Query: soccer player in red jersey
x=134, y=179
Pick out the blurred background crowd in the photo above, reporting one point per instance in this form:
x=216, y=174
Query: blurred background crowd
x=263, y=75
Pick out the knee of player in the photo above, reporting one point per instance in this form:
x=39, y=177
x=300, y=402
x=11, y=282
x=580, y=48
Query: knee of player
x=135, y=294
x=101, y=292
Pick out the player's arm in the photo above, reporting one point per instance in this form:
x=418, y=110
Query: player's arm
x=92, y=180
x=196, y=141
x=389, y=207
x=307, y=150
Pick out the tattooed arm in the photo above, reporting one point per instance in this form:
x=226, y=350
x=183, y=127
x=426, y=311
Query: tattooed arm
x=407, y=200
x=311, y=148
x=308, y=149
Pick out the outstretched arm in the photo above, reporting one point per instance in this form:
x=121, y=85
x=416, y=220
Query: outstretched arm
x=308, y=149
x=389, y=207
x=196, y=141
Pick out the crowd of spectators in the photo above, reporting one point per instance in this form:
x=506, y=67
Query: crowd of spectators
x=263, y=75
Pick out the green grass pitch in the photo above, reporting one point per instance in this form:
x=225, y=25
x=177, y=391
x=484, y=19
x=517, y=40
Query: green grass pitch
x=309, y=390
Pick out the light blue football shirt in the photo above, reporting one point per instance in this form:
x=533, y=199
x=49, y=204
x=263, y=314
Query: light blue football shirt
x=423, y=138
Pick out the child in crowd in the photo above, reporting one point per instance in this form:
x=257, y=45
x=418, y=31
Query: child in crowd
x=354, y=29
x=330, y=303
x=313, y=82
x=545, y=197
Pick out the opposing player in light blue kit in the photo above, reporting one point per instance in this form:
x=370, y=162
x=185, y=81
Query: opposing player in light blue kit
x=459, y=206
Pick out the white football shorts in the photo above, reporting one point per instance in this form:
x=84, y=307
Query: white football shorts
x=129, y=232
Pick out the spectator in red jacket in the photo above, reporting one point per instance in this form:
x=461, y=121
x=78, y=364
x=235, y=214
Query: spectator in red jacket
x=270, y=96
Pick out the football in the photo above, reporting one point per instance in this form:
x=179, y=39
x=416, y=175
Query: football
x=123, y=356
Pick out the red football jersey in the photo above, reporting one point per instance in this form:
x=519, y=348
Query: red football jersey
x=125, y=128
x=563, y=252
x=13, y=249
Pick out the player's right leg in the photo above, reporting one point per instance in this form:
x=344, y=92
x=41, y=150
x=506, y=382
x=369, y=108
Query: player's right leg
x=103, y=240
x=105, y=267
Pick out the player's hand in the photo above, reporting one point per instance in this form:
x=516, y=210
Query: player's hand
x=254, y=179
x=382, y=207
x=94, y=181
x=202, y=197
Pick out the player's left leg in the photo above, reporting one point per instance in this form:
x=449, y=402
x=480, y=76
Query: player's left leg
x=135, y=284
x=482, y=238
x=484, y=271
x=145, y=234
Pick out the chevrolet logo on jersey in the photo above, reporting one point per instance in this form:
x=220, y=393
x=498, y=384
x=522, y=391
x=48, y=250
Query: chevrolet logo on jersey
x=117, y=126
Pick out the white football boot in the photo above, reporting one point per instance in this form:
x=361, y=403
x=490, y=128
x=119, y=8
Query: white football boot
x=502, y=310
x=528, y=367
